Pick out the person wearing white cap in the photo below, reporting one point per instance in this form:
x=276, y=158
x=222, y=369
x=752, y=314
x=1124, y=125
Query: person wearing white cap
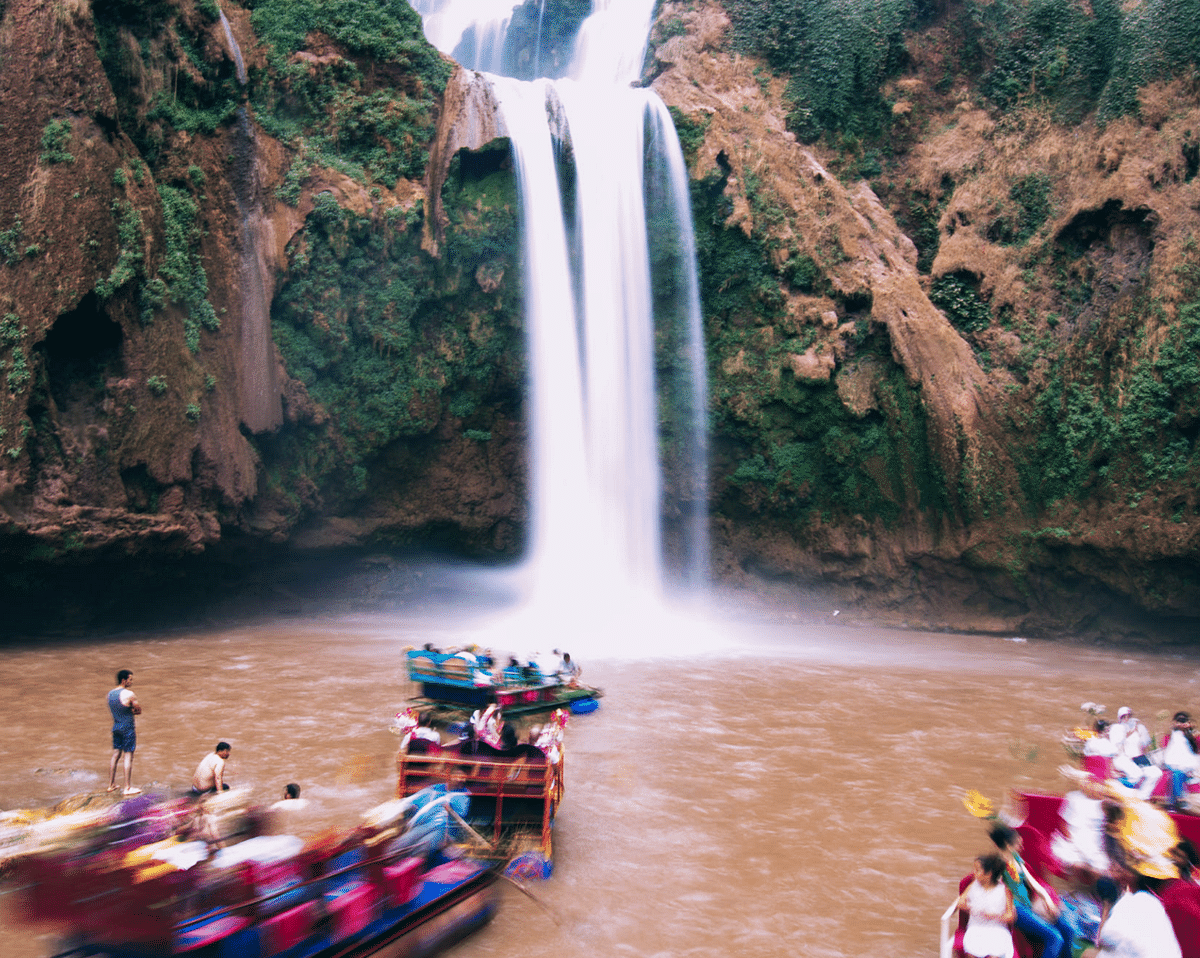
x=1131, y=737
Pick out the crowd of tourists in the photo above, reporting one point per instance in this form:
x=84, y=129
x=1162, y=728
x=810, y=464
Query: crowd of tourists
x=1125, y=880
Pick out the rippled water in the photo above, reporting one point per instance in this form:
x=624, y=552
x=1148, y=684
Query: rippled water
x=791, y=790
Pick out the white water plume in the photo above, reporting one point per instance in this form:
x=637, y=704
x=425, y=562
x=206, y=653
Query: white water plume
x=471, y=31
x=596, y=527
x=612, y=42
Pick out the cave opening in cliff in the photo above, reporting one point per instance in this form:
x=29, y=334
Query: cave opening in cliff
x=81, y=350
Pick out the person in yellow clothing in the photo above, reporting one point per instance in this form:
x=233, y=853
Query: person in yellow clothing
x=1147, y=834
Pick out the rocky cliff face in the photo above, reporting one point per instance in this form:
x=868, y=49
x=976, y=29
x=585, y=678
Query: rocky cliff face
x=147, y=408
x=284, y=307
x=992, y=430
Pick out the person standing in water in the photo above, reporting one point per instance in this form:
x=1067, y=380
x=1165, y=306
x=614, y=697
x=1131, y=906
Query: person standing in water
x=124, y=706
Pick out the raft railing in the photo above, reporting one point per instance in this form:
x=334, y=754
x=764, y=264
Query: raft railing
x=490, y=778
x=947, y=932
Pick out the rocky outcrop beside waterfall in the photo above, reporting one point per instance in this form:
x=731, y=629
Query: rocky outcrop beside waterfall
x=1047, y=499
x=470, y=122
x=115, y=433
x=152, y=229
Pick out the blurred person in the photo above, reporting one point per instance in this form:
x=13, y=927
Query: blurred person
x=487, y=725
x=570, y=671
x=1101, y=742
x=1181, y=896
x=291, y=800
x=1130, y=739
x=1054, y=931
x=424, y=730
x=1180, y=757
x=1079, y=844
x=124, y=706
x=1137, y=925
x=201, y=826
x=1114, y=829
x=1186, y=858
x=209, y=776
x=989, y=905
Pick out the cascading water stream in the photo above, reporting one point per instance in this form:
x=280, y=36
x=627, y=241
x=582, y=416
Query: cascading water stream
x=471, y=31
x=234, y=50
x=537, y=47
x=261, y=406
x=591, y=310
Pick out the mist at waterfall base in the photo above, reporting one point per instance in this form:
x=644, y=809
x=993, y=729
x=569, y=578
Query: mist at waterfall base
x=595, y=159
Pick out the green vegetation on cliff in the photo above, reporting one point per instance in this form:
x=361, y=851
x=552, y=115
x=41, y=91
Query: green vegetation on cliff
x=389, y=340
x=1103, y=425
x=836, y=54
x=154, y=56
x=182, y=277
x=792, y=448
x=1076, y=55
x=368, y=108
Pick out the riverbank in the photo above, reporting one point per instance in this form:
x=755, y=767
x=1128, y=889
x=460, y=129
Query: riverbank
x=246, y=581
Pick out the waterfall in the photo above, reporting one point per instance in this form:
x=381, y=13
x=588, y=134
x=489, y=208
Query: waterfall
x=596, y=524
x=537, y=47
x=239, y=65
x=262, y=407
x=471, y=31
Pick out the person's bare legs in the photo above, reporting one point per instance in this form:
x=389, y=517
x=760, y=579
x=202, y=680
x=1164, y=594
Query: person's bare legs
x=112, y=769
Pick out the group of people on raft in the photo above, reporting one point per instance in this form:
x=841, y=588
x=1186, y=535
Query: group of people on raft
x=1130, y=881
x=486, y=671
x=1138, y=762
x=487, y=731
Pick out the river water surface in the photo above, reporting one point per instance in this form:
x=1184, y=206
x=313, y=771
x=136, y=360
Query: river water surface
x=787, y=789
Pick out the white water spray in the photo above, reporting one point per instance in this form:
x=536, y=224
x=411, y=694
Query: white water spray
x=471, y=31
x=596, y=541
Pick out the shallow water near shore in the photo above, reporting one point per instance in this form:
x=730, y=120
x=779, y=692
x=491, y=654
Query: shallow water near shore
x=750, y=785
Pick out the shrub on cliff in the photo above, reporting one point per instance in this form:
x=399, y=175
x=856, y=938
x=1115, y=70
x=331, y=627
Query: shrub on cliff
x=1078, y=56
x=154, y=55
x=388, y=339
x=370, y=113
x=836, y=54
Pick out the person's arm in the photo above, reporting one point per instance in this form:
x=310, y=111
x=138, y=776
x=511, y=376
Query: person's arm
x=1036, y=886
x=219, y=775
x=1010, y=912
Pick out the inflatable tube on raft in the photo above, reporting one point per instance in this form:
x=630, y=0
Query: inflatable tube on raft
x=583, y=706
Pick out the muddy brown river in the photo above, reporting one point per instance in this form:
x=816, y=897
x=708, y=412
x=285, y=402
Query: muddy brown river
x=751, y=786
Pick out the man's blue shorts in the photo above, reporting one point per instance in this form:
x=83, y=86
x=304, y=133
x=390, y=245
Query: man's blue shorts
x=124, y=740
